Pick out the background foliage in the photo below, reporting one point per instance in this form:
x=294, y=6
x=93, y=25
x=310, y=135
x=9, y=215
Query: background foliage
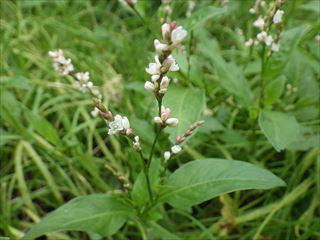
x=52, y=150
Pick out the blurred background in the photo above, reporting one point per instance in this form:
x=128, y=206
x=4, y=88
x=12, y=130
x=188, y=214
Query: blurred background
x=53, y=150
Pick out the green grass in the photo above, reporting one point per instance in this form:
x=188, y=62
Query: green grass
x=52, y=150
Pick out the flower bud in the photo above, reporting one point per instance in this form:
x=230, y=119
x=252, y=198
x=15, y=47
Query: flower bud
x=165, y=113
x=180, y=139
x=155, y=77
x=178, y=34
x=173, y=25
x=160, y=47
x=95, y=112
x=167, y=155
x=157, y=120
x=164, y=82
x=277, y=18
x=107, y=115
x=166, y=31
x=129, y=132
x=149, y=86
x=176, y=149
x=172, y=122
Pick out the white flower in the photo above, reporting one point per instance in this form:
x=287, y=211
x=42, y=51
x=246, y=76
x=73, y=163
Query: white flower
x=166, y=31
x=259, y=23
x=157, y=120
x=249, y=43
x=268, y=41
x=149, y=86
x=252, y=11
x=119, y=124
x=82, y=77
x=83, y=81
x=165, y=113
x=62, y=65
x=317, y=38
x=262, y=36
x=56, y=54
x=172, y=122
x=277, y=18
x=136, y=143
x=169, y=64
x=160, y=47
x=176, y=149
x=164, y=82
x=95, y=112
x=155, y=77
x=275, y=47
x=178, y=34
x=154, y=68
x=167, y=155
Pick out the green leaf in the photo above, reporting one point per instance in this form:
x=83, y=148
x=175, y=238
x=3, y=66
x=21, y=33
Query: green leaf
x=158, y=232
x=230, y=76
x=290, y=40
x=274, y=90
x=42, y=126
x=201, y=180
x=202, y=15
x=187, y=105
x=281, y=129
x=97, y=213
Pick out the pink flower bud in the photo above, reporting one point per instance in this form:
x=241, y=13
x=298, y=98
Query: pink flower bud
x=164, y=82
x=166, y=31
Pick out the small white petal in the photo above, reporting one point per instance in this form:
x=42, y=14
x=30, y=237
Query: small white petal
x=95, y=112
x=165, y=82
x=125, y=123
x=172, y=122
x=167, y=155
x=166, y=30
x=277, y=18
x=160, y=47
x=157, y=120
x=176, y=149
x=275, y=47
x=155, y=77
x=178, y=34
x=149, y=86
x=268, y=41
x=259, y=23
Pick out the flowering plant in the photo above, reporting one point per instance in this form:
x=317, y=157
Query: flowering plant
x=141, y=200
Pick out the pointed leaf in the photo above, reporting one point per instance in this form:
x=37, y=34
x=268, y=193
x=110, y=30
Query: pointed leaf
x=98, y=213
x=201, y=180
x=281, y=129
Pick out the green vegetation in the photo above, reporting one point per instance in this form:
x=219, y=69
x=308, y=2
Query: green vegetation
x=260, y=108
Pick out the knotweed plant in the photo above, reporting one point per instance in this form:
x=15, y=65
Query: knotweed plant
x=141, y=200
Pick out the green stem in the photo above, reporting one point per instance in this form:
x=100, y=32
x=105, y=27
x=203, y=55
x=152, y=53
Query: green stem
x=146, y=174
x=262, y=83
x=153, y=147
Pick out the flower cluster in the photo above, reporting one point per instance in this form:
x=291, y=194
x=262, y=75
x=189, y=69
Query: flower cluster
x=164, y=119
x=65, y=68
x=268, y=16
x=164, y=61
x=83, y=82
x=61, y=64
x=175, y=149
